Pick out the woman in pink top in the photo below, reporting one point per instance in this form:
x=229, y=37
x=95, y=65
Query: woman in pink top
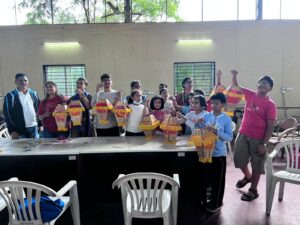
x=46, y=108
x=256, y=129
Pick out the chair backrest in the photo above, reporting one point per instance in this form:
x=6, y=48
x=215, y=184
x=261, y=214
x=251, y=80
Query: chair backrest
x=14, y=194
x=145, y=191
x=297, y=118
x=4, y=133
x=292, y=153
x=288, y=123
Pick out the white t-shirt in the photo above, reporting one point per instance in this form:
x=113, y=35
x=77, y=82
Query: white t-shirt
x=169, y=104
x=110, y=96
x=28, y=109
x=135, y=117
x=193, y=118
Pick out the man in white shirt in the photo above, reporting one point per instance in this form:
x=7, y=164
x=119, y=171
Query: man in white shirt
x=20, y=109
x=110, y=129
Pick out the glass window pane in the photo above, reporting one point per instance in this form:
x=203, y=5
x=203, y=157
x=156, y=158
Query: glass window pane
x=219, y=10
x=190, y=10
x=271, y=9
x=201, y=72
x=7, y=12
x=290, y=9
x=65, y=77
x=247, y=9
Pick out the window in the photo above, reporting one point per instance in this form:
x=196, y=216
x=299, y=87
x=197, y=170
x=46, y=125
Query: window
x=214, y=10
x=290, y=9
x=203, y=74
x=64, y=76
x=271, y=9
x=246, y=9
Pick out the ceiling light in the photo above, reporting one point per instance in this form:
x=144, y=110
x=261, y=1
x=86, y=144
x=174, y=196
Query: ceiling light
x=62, y=44
x=194, y=41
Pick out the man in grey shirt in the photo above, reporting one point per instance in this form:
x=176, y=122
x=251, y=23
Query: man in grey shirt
x=110, y=129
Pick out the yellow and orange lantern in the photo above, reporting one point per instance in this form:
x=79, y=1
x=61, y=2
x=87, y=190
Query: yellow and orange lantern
x=170, y=127
x=121, y=113
x=60, y=114
x=101, y=109
x=148, y=125
x=75, y=110
x=204, y=141
x=234, y=95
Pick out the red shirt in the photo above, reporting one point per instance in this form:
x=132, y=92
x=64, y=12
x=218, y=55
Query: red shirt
x=258, y=110
x=48, y=105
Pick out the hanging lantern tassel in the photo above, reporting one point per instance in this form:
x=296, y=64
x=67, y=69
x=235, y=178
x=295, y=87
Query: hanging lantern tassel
x=204, y=141
x=101, y=109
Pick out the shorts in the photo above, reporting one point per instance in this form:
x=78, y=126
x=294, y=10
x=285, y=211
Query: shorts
x=245, y=149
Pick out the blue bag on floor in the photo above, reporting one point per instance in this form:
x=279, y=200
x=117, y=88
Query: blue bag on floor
x=50, y=209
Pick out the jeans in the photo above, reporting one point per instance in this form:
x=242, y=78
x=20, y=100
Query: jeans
x=48, y=134
x=31, y=132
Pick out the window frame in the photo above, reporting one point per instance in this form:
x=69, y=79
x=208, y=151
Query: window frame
x=45, y=74
x=213, y=75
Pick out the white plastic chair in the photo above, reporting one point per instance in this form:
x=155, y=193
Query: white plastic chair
x=14, y=192
x=228, y=144
x=291, y=174
x=4, y=133
x=144, y=195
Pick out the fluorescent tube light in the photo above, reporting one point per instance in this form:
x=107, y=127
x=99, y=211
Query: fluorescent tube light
x=194, y=41
x=61, y=44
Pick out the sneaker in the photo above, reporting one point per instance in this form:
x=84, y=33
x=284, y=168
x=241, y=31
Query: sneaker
x=213, y=209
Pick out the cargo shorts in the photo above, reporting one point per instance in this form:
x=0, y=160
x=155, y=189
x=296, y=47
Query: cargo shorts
x=245, y=150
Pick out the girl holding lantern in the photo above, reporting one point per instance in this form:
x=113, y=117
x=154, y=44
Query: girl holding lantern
x=46, y=109
x=138, y=111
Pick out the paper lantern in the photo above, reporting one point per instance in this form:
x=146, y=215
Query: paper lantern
x=60, y=114
x=101, y=109
x=75, y=110
x=148, y=124
x=170, y=127
x=121, y=113
x=234, y=95
x=204, y=141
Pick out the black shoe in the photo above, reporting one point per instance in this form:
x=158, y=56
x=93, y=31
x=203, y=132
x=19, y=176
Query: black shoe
x=213, y=209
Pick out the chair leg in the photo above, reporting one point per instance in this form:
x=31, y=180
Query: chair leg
x=75, y=211
x=128, y=220
x=167, y=217
x=228, y=144
x=281, y=190
x=270, y=196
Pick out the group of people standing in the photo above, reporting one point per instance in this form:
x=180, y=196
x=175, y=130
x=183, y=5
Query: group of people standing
x=25, y=113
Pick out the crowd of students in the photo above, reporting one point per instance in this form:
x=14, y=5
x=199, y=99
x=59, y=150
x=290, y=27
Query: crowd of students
x=25, y=114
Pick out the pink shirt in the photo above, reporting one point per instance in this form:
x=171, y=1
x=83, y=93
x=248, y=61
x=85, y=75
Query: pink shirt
x=258, y=110
x=159, y=114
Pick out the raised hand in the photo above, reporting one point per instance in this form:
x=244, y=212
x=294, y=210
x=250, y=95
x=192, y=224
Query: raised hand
x=234, y=72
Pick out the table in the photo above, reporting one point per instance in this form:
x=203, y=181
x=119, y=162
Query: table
x=96, y=162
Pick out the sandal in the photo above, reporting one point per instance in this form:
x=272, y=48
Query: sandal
x=242, y=183
x=250, y=195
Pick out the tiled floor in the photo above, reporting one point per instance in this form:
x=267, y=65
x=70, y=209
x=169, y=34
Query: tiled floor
x=233, y=212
